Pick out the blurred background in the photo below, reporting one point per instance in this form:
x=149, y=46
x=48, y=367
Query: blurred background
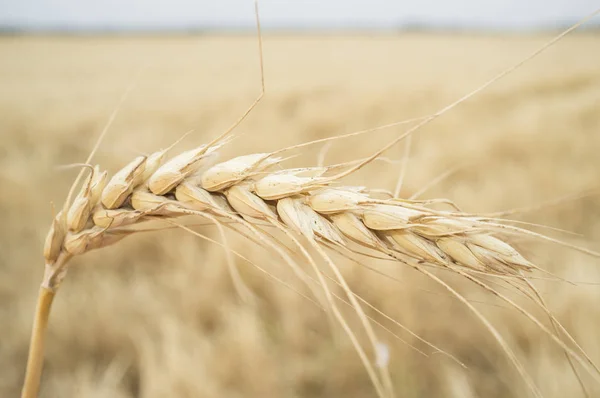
x=157, y=315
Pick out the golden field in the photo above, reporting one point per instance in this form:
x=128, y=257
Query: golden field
x=157, y=316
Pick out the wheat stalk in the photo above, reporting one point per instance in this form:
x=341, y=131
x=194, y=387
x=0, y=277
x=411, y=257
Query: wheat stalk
x=307, y=205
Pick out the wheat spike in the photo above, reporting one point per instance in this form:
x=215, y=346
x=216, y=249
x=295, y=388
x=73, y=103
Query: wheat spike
x=337, y=216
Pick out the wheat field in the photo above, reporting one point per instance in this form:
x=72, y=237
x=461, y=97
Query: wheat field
x=157, y=315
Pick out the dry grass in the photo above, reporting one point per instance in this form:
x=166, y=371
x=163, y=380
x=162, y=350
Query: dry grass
x=146, y=320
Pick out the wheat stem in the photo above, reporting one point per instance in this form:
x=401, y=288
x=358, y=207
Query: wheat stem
x=35, y=360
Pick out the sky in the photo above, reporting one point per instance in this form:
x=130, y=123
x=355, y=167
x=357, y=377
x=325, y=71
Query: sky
x=277, y=14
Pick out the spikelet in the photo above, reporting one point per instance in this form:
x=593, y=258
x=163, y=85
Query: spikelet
x=248, y=204
x=122, y=183
x=198, y=198
x=333, y=200
x=439, y=227
x=351, y=226
x=149, y=203
x=305, y=220
x=153, y=163
x=99, y=181
x=417, y=246
x=55, y=238
x=234, y=171
x=286, y=208
x=383, y=217
x=173, y=172
x=79, y=211
x=501, y=255
x=106, y=218
x=284, y=184
x=460, y=253
x=93, y=238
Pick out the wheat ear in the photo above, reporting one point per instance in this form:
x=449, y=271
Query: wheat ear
x=305, y=203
